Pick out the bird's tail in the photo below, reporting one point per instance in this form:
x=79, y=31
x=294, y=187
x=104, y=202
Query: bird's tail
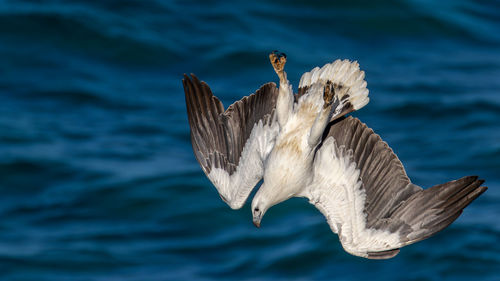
x=348, y=81
x=431, y=210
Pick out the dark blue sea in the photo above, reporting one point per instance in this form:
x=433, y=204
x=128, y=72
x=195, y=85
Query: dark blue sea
x=98, y=180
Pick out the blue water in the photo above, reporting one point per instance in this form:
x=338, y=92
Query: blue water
x=97, y=177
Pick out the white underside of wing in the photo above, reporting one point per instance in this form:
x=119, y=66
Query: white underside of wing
x=235, y=188
x=336, y=191
x=342, y=72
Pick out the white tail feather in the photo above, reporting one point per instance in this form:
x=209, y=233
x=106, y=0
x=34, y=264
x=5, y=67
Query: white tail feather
x=342, y=72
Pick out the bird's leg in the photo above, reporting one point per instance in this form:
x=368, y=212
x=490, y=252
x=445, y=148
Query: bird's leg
x=278, y=60
x=284, y=103
x=330, y=103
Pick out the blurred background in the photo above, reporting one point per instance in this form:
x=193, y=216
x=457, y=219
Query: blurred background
x=98, y=180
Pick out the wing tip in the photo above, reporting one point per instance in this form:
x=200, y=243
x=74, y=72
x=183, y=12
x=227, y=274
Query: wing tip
x=189, y=77
x=382, y=255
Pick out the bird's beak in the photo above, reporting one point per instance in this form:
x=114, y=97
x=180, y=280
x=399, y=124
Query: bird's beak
x=256, y=220
x=256, y=223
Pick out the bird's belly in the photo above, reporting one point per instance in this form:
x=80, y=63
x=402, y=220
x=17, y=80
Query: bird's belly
x=290, y=162
x=291, y=169
x=292, y=142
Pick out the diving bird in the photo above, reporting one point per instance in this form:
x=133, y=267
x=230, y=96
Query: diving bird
x=303, y=145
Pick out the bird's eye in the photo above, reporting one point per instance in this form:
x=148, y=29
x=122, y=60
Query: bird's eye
x=256, y=209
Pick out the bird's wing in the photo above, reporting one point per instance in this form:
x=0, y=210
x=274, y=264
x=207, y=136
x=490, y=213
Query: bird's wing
x=231, y=145
x=346, y=76
x=362, y=189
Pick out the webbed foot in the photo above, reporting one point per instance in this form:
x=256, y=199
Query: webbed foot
x=278, y=60
x=328, y=94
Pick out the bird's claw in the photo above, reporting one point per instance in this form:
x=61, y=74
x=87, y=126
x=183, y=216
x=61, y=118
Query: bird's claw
x=328, y=93
x=278, y=60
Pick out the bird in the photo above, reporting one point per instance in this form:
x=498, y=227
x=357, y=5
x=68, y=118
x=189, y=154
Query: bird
x=307, y=145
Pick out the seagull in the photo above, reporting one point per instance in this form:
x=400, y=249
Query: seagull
x=304, y=145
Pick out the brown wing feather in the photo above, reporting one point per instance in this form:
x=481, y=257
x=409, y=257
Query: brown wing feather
x=384, y=179
x=218, y=136
x=301, y=91
x=392, y=202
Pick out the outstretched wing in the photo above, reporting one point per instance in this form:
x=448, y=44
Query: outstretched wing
x=231, y=145
x=362, y=189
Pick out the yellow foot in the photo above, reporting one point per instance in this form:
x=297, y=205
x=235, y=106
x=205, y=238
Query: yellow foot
x=332, y=92
x=328, y=94
x=278, y=61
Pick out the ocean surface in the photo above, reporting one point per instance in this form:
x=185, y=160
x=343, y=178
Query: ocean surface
x=98, y=180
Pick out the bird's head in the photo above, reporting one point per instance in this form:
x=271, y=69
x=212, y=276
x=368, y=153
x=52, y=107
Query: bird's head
x=259, y=208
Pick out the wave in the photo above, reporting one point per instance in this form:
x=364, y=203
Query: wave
x=98, y=178
x=85, y=35
x=81, y=98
